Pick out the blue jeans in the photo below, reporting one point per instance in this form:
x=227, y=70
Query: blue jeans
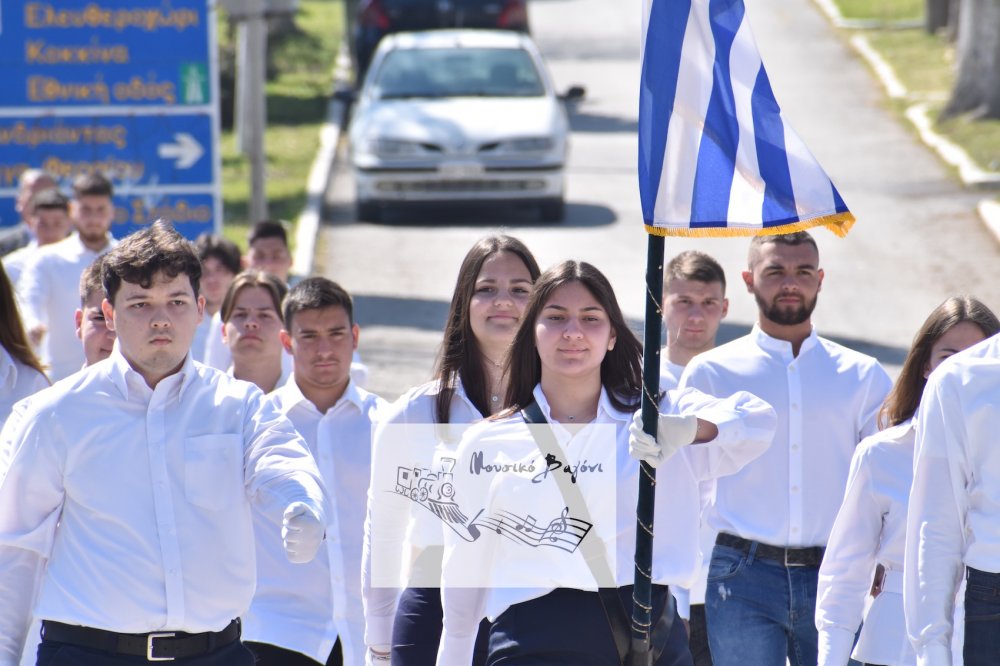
x=759, y=611
x=982, y=619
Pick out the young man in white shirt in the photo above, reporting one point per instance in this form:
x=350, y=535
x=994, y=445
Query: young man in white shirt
x=775, y=515
x=128, y=486
x=48, y=218
x=694, y=305
x=30, y=183
x=98, y=340
x=220, y=264
x=953, y=523
x=48, y=284
x=312, y=614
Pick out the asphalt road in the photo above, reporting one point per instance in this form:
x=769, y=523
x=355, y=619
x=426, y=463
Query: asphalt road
x=916, y=242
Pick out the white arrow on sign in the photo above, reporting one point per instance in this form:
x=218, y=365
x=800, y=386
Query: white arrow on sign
x=186, y=151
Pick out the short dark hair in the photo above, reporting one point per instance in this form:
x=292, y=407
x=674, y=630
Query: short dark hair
x=795, y=238
x=274, y=287
x=93, y=184
x=50, y=199
x=141, y=255
x=268, y=229
x=226, y=251
x=90, y=280
x=694, y=265
x=315, y=293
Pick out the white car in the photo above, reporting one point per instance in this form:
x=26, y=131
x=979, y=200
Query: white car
x=459, y=116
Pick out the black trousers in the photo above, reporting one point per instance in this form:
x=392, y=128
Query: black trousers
x=272, y=655
x=569, y=627
x=416, y=630
x=51, y=653
x=698, y=637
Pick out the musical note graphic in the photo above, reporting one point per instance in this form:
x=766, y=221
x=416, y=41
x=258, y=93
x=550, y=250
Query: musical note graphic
x=563, y=532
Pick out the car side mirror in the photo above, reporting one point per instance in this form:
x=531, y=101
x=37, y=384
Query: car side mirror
x=574, y=94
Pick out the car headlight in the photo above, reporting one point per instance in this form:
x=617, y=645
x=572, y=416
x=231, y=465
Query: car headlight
x=391, y=148
x=531, y=145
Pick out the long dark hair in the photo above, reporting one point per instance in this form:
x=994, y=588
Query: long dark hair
x=904, y=398
x=621, y=369
x=460, y=356
x=12, y=335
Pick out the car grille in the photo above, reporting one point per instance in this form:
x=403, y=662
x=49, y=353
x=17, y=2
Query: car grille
x=472, y=185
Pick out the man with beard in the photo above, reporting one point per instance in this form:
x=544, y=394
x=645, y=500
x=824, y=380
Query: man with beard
x=49, y=284
x=774, y=516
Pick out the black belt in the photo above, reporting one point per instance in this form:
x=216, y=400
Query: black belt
x=154, y=646
x=790, y=557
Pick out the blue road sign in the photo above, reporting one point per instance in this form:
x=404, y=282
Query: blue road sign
x=127, y=87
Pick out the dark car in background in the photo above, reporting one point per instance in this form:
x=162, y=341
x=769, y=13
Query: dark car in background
x=377, y=18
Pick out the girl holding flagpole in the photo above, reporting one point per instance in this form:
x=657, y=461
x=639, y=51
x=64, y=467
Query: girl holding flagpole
x=548, y=557
x=869, y=533
x=403, y=618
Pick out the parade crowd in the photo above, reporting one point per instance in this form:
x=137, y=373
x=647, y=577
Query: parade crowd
x=191, y=469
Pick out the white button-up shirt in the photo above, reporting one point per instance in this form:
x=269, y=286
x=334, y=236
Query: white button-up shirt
x=17, y=381
x=955, y=499
x=393, y=522
x=49, y=292
x=140, y=499
x=305, y=607
x=745, y=424
x=870, y=529
x=14, y=262
x=827, y=399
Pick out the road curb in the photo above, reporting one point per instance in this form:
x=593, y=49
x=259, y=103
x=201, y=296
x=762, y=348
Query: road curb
x=307, y=224
x=969, y=172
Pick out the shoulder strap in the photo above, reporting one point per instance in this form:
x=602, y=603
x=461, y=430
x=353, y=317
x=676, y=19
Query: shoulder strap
x=591, y=549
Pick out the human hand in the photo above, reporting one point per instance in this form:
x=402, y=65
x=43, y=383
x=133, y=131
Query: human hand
x=302, y=532
x=672, y=432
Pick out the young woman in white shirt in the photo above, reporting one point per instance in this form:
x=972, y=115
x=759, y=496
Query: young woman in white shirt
x=21, y=372
x=404, y=617
x=528, y=564
x=863, y=563
x=251, y=327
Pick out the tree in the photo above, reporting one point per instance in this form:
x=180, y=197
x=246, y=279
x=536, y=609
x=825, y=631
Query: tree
x=941, y=15
x=977, y=85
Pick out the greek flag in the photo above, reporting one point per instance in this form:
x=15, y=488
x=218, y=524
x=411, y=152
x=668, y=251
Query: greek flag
x=716, y=156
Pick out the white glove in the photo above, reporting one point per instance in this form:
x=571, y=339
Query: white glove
x=302, y=532
x=377, y=655
x=672, y=432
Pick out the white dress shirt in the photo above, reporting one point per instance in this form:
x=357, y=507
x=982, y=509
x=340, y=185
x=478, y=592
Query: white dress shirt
x=13, y=263
x=17, y=381
x=517, y=573
x=394, y=523
x=140, y=498
x=49, y=291
x=305, y=607
x=827, y=399
x=870, y=529
x=955, y=499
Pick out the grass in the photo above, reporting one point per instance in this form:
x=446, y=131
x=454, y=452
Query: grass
x=925, y=64
x=300, y=64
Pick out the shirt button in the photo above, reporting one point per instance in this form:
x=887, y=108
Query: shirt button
x=795, y=489
x=795, y=447
x=795, y=529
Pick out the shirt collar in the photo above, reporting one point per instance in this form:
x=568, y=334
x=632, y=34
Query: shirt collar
x=605, y=409
x=293, y=396
x=768, y=343
x=127, y=380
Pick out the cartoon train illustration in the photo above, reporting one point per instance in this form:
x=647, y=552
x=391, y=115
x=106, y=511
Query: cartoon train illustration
x=420, y=484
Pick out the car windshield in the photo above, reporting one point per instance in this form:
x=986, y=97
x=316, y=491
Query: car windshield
x=458, y=72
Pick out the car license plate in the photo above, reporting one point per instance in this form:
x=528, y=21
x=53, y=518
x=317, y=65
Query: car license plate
x=461, y=170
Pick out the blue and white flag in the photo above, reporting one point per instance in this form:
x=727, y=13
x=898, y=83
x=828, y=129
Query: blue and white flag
x=716, y=155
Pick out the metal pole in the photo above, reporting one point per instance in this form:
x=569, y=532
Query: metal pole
x=252, y=102
x=642, y=594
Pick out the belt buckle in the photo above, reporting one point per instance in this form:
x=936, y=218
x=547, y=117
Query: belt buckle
x=791, y=564
x=149, y=645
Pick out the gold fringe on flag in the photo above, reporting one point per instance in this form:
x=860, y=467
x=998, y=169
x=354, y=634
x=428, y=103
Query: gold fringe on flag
x=839, y=224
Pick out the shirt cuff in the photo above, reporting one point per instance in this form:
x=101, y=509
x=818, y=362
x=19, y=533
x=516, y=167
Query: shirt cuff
x=835, y=646
x=934, y=655
x=378, y=630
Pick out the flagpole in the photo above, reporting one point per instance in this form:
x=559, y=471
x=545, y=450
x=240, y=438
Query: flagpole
x=642, y=593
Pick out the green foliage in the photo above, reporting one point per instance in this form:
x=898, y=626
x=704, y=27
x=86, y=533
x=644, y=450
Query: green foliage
x=881, y=10
x=301, y=62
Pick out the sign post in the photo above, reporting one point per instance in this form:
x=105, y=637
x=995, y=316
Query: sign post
x=127, y=87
